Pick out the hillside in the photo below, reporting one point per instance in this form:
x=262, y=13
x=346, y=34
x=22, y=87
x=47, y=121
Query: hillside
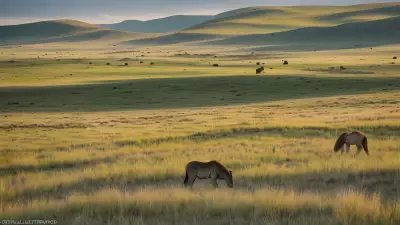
x=385, y=31
x=56, y=30
x=175, y=39
x=364, y=15
x=167, y=24
x=249, y=25
x=261, y=20
x=239, y=25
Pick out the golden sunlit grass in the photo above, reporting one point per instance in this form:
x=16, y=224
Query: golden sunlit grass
x=173, y=206
x=109, y=143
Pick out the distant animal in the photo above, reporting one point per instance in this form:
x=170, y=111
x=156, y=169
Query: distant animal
x=352, y=138
x=215, y=65
x=207, y=170
x=285, y=62
x=394, y=57
x=259, y=70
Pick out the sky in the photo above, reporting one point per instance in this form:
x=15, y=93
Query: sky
x=112, y=11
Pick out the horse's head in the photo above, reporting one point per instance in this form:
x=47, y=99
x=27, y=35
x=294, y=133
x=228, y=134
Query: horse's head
x=340, y=142
x=229, y=181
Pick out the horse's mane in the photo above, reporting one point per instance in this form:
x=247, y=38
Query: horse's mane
x=340, y=141
x=220, y=166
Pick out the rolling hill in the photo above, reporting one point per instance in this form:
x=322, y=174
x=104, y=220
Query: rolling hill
x=261, y=20
x=174, y=39
x=253, y=24
x=364, y=15
x=378, y=32
x=167, y=24
x=56, y=30
x=246, y=26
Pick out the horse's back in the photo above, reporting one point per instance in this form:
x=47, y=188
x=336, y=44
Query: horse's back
x=196, y=165
x=193, y=163
x=355, y=137
x=200, y=169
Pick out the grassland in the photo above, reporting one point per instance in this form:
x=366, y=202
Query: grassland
x=98, y=131
x=83, y=142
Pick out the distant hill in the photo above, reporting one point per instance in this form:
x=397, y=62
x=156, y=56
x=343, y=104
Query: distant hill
x=255, y=23
x=56, y=30
x=167, y=24
x=385, y=31
x=261, y=20
x=174, y=39
x=364, y=15
x=246, y=26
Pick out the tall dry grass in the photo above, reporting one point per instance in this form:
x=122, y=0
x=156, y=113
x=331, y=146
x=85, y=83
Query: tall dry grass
x=175, y=204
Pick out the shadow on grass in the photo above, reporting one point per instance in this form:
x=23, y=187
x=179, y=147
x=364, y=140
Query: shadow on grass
x=381, y=181
x=321, y=46
x=167, y=93
x=123, y=182
x=339, y=71
x=53, y=166
x=291, y=132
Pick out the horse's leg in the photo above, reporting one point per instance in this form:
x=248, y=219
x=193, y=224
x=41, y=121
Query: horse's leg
x=214, y=181
x=342, y=150
x=190, y=182
x=347, y=148
x=359, y=148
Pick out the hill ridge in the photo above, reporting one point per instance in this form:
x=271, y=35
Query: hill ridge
x=378, y=32
x=160, y=25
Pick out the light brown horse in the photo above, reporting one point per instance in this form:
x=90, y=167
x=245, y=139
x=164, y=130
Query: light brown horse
x=207, y=170
x=352, y=138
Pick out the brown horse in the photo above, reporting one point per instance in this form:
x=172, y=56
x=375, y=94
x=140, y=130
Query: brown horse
x=352, y=138
x=207, y=170
x=259, y=70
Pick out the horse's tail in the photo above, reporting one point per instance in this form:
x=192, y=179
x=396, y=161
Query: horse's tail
x=365, y=145
x=340, y=142
x=186, y=178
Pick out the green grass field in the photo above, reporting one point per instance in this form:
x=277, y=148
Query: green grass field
x=86, y=139
x=94, y=143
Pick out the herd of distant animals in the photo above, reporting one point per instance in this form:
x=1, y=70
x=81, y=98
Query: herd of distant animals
x=261, y=69
x=216, y=171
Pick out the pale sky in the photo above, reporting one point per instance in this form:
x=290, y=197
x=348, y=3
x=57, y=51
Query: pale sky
x=112, y=11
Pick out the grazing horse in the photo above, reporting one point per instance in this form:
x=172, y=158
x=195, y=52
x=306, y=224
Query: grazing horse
x=259, y=70
x=207, y=170
x=352, y=138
